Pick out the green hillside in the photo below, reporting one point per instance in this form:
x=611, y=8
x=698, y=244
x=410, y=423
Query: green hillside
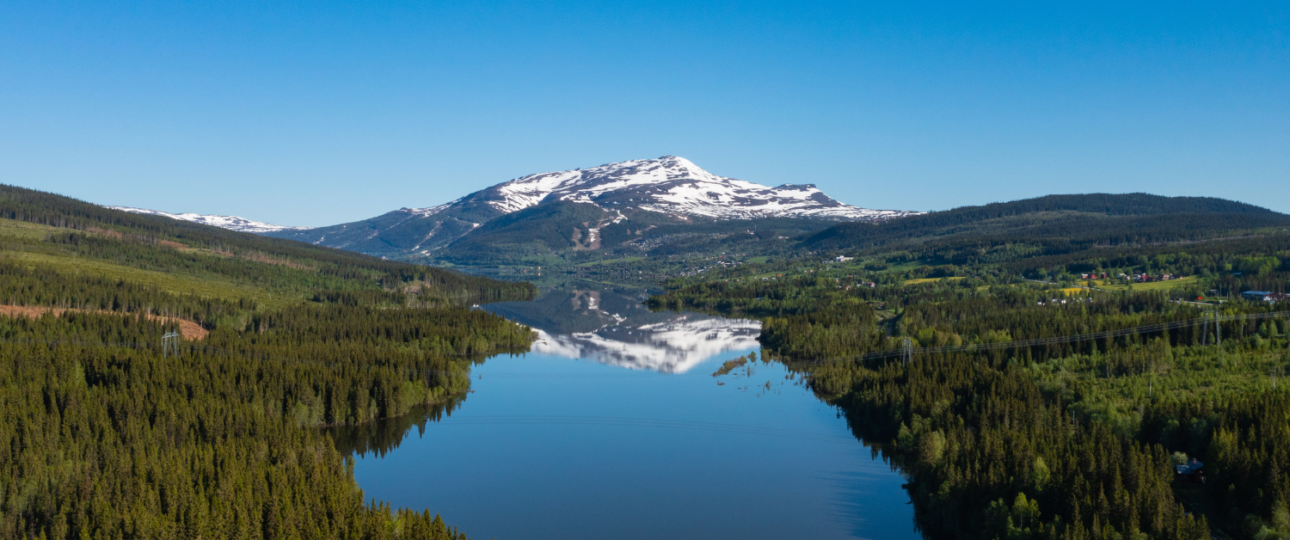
x=545, y=228
x=107, y=436
x=564, y=235
x=1103, y=219
x=1033, y=235
x=1037, y=233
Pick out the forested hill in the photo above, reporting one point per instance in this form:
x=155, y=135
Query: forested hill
x=108, y=433
x=1105, y=219
x=1030, y=387
x=201, y=247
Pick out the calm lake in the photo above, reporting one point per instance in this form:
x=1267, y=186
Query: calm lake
x=615, y=427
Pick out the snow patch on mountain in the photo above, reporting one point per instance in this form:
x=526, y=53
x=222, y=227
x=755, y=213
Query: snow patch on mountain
x=675, y=186
x=429, y=210
x=232, y=223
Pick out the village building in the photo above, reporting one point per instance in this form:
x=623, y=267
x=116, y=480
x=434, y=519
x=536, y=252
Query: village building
x=1264, y=296
x=1193, y=470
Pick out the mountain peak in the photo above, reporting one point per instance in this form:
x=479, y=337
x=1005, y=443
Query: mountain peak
x=636, y=192
x=671, y=185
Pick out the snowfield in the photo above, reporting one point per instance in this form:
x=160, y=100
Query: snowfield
x=232, y=223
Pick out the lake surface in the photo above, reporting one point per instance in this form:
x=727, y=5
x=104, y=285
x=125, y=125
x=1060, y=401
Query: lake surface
x=615, y=427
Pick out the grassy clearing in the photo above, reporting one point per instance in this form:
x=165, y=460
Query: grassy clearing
x=37, y=254
x=23, y=230
x=612, y=261
x=171, y=283
x=904, y=267
x=1152, y=286
x=929, y=280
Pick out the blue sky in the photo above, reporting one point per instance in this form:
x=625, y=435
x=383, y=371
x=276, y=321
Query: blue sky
x=313, y=113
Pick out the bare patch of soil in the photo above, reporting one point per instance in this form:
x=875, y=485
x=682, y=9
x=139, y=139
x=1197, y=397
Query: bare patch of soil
x=189, y=329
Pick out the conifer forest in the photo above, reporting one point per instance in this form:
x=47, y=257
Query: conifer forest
x=162, y=379
x=1036, y=388
x=107, y=434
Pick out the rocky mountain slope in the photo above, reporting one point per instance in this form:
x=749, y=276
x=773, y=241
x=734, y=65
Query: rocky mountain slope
x=668, y=185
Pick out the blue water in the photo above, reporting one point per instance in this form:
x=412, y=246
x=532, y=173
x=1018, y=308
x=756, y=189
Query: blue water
x=548, y=447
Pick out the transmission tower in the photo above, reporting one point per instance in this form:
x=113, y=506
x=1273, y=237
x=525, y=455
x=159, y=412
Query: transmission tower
x=170, y=340
x=1212, y=313
x=1204, y=327
x=906, y=351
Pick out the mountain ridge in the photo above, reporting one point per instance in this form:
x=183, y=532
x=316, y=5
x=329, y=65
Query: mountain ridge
x=649, y=192
x=673, y=185
x=232, y=223
x=1082, y=219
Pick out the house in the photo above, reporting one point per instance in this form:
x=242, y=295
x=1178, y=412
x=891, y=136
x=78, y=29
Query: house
x=1256, y=296
x=842, y=258
x=1193, y=470
x=1264, y=296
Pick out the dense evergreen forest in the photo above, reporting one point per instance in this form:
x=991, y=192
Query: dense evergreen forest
x=108, y=435
x=1072, y=438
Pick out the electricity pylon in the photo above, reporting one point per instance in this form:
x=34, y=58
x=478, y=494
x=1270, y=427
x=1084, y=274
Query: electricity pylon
x=169, y=340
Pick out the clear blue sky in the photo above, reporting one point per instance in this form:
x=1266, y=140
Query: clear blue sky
x=315, y=113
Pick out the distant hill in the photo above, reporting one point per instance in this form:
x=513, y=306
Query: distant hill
x=232, y=223
x=1094, y=219
x=199, y=258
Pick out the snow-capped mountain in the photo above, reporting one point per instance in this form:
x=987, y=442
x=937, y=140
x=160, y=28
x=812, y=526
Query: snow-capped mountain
x=669, y=185
x=626, y=207
x=233, y=223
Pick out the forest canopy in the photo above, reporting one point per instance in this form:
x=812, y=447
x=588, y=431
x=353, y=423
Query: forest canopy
x=1008, y=424
x=108, y=435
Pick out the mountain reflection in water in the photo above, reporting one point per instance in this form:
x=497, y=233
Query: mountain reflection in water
x=549, y=448
x=614, y=328
x=674, y=346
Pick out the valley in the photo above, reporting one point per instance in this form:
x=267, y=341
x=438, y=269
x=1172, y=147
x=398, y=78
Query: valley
x=622, y=431
x=1030, y=369
x=644, y=270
